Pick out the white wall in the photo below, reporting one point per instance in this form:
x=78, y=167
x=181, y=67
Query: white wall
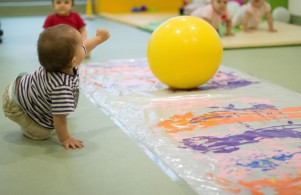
x=294, y=7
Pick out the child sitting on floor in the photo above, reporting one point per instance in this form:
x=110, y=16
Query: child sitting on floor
x=250, y=15
x=215, y=13
x=40, y=101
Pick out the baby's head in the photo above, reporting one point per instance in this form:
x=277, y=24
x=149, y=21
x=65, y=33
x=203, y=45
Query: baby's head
x=53, y=1
x=219, y=6
x=257, y=3
x=57, y=46
x=62, y=7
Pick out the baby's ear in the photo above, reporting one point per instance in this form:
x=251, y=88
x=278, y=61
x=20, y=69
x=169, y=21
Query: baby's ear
x=73, y=61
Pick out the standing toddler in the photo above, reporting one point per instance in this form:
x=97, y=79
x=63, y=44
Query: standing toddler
x=64, y=15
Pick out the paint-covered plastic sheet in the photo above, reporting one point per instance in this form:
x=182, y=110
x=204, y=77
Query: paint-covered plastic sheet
x=236, y=134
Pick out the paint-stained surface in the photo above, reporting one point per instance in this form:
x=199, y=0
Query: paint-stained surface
x=235, y=134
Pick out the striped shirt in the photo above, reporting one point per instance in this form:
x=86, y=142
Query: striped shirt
x=43, y=94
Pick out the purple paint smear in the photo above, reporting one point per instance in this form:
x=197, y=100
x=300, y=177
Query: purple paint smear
x=231, y=107
x=254, y=107
x=228, y=80
x=269, y=163
x=137, y=75
x=231, y=143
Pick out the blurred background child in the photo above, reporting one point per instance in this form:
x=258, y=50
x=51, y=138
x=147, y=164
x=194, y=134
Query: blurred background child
x=190, y=5
x=251, y=15
x=215, y=13
x=64, y=15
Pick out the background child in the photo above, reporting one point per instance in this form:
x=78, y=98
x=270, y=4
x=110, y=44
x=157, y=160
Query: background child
x=193, y=5
x=40, y=102
x=215, y=13
x=1, y=33
x=251, y=14
x=64, y=15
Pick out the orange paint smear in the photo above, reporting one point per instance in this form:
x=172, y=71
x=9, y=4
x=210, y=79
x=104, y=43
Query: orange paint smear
x=226, y=184
x=188, y=122
x=285, y=186
x=178, y=123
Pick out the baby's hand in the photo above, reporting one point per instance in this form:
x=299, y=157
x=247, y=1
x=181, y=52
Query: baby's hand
x=247, y=30
x=72, y=142
x=229, y=33
x=103, y=34
x=272, y=30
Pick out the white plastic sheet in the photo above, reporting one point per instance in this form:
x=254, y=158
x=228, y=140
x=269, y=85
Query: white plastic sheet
x=235, y=134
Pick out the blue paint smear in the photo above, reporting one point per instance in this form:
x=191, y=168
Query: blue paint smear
x=228, y=144
x=269, y=163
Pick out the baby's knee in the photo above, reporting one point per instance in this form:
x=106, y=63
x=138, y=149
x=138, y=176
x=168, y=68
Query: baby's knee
x=39, y=133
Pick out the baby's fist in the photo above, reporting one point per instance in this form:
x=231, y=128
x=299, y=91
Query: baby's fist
x=103, y=34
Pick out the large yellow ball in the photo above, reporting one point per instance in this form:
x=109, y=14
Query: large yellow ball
x=184, y=52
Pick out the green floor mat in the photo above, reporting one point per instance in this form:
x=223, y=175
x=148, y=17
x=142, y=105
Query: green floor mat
x=153, y=25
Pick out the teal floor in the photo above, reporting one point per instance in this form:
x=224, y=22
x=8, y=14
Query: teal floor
x=111, y=163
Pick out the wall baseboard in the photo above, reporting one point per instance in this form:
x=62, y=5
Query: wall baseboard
x=44, y=9
x=296, y=20
x=33, y=10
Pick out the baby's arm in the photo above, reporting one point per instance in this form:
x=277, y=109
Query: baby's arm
x=101, y=36
x=270, y=22
x=229, y=27
x=207, y=19
x=60, y=125
x=83, y=32
x=245, y=21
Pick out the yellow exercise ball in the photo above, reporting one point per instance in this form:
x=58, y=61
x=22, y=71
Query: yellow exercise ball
x=184, y=52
